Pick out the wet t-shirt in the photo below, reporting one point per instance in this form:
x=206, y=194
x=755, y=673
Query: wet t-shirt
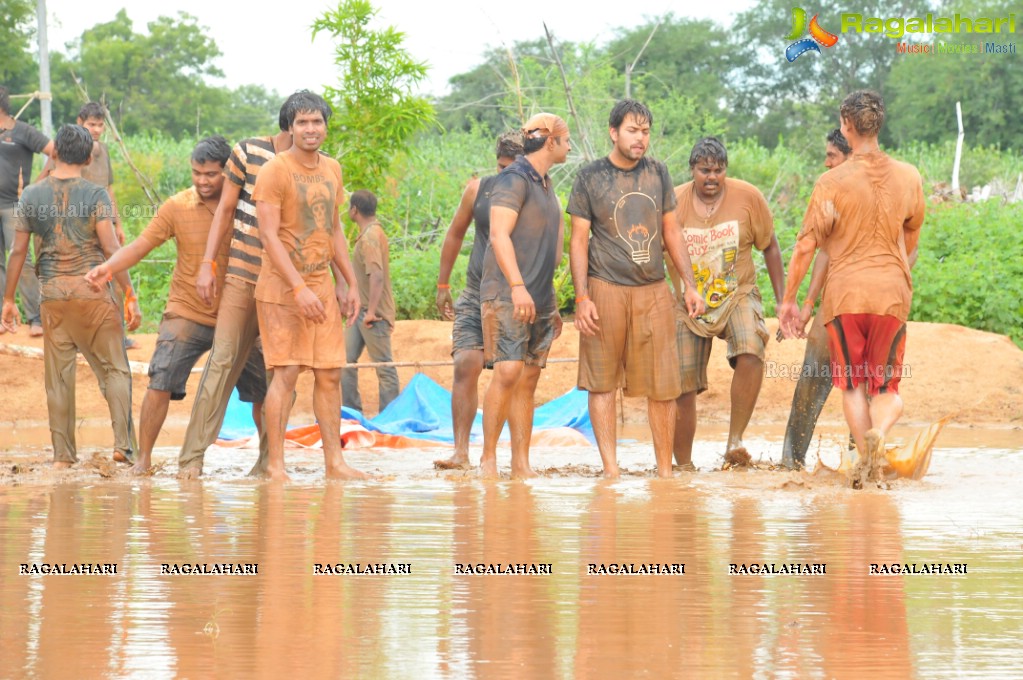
x=369, y=254
x=535, y=237
x=98, y=171
x=309, y=198
x=721, y=249
x=63, y=214
x=481, y=220
x=625, y=209
x=17, y=146
x=242, y=168
x=858, y=212
x=185, y=218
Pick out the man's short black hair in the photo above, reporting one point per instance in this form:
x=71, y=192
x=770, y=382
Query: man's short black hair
x=73, y=144
x=624, y=108
x=711, y=149
x=5, y=100
x=305, y=101
x=213, y=148
x=91, y=110
x=840, y=142
x=365, y=202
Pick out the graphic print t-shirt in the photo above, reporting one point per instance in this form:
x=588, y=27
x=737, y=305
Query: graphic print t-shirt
x=625, y=209
x=721, y=249
x=309, y=198
x=63, y=214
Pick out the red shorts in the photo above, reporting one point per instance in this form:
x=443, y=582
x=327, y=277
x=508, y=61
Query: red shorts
x=867, y=348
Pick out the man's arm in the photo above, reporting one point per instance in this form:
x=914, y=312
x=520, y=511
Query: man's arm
x=120, y=259
x=111, y=246
x=775, y=268
x=679, y=254
x=15, y=263
x=269, y=217
x=350, y=307
x=502, y=224
x=788, y=311
x=452, y=245
x=223, y=218
x=586, y=317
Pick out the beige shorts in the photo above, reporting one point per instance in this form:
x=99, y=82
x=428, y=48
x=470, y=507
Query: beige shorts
x=636, y=348
x=290, y=339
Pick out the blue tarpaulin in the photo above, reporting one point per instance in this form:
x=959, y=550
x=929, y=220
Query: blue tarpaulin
x=423, y=411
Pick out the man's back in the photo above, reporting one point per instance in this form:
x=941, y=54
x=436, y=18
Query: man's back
x=858, y=213
x=63, y=213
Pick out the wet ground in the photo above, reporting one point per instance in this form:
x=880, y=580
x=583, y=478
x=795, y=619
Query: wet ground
x=701, y=621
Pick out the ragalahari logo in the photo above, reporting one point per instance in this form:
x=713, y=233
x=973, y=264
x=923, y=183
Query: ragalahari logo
x=818, y=36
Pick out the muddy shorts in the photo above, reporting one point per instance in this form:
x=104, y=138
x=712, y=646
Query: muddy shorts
x=179, y=344
x=289, y=339
x=507, y=339
x=636, y=348
x=467, y=332
x=745, y=332
x=867, y=348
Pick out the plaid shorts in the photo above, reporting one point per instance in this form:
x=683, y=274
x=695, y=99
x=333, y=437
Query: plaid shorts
x=745, y=332
x=636, y=347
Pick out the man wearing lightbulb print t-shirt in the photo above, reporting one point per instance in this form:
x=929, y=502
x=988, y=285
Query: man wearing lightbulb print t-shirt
x=623, y=220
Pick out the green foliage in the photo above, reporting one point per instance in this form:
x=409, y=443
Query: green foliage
x=375, y=110
x=16, y=64
x=970, y=268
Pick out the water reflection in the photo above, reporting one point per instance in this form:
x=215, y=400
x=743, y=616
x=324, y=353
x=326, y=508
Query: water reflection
x=435, y=622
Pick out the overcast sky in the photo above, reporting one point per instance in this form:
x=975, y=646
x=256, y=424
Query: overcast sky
x=450, y=36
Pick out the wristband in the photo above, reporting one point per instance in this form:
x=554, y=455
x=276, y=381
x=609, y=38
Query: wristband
x=129, y=296
x=582, y=298
x=297, y=289
x=518, y=283
x=213, y=265
x=443, y=286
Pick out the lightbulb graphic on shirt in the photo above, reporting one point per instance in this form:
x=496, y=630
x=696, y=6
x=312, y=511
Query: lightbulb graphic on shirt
x=635, y=219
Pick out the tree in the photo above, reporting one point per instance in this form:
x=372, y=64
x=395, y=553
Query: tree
x=767, y=81
x=18, y=72
x=375, y=111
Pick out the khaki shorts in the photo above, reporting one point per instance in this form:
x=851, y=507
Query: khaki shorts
x=507, y=339
x=636, y=348
x=290, y=339
x=745, y=332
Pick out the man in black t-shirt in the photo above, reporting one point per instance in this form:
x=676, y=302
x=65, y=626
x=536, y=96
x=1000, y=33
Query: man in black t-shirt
x=467, y=333
x=520, y=315
x=18, y=142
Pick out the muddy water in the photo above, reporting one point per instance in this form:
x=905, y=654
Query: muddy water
x=434, y=622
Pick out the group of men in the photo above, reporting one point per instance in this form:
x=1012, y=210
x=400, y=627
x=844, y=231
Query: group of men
x=271, y=301
x=629, y=221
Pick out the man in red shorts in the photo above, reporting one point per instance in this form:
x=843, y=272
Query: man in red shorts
x=867, y=214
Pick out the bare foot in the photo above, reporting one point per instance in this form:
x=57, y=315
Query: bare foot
x=345, y=471
x=459, y=461
x=142, y=469
x=61, y=465
x=488, y=468
x=665, y=474
x=868, y=464
x=612, y=472
x=738, y=457
x=119, y=457
x=190, y=472
x=277, y=474
x=686, y=467
x=523, y=472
